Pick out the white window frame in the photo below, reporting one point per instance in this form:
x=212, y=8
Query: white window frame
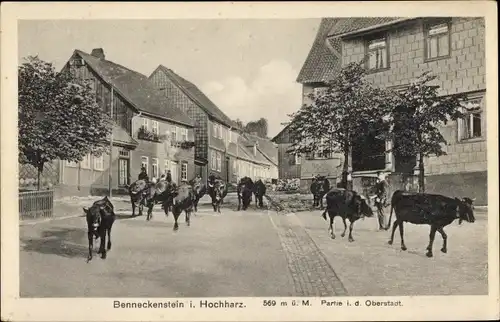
x=183, y=134
x=99, y=163
x=173, y=134
x=219, y=161
x=473, y=107
x=436, y=32
x=86, y=162
x=213, y=159
x=145, y=123
x=230, y=137
x=235, y=167
x=145, y=159
x=155, y=128
x=155, y=168
x=184, y=170
x=214, y=129
x=374, y=46
x=297, y=158
x=166, y=165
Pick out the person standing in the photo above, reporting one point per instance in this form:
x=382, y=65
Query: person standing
x=381, y=189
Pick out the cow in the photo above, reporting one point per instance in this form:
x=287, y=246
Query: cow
x=259, y=190
x=160, y=192
x=100, y=218
x=244, y=191
x=138, y=192
x=217, y=190
x=182, y=200
x=347, y=204
x=435, y=210
x=319, y=187
x=199, y=190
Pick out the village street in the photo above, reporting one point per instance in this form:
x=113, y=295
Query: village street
x=252, y=253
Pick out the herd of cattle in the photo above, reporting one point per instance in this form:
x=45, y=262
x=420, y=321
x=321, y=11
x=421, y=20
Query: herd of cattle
x=435, y=210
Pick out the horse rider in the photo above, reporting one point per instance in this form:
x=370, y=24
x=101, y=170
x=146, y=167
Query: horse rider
x=381, y=188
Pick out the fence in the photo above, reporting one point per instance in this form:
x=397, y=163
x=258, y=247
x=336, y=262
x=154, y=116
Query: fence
x=36, y=204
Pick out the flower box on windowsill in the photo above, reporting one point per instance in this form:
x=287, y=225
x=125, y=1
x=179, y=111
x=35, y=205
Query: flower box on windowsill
x=186, y=145
x=147, y=135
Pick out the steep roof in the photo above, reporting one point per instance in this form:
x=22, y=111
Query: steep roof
x=197, y=96
x=245, y=151
x=121, y=137
x=266, y=147
x=321, y=63
x=136, y=88
x=349, y=25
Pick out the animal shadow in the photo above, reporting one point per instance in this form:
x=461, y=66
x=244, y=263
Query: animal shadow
x=61, y=241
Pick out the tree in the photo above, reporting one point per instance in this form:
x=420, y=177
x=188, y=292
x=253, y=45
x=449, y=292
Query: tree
x=259, y=127
x=58, y=116
x=349, y=107
x=416, y=118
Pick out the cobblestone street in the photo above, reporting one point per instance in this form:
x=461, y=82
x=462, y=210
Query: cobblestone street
x=252, y=253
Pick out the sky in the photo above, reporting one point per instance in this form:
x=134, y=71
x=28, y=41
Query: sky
x=247, y=67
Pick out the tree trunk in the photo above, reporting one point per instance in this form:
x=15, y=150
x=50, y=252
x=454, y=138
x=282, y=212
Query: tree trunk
x=421, y=174
x=39, y=174
x=345, y=168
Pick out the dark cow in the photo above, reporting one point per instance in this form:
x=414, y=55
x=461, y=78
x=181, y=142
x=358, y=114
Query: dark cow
x=244, y=191
x=100, y=218
x=139, y=192
x=217, y=190
x=199, y=190
x=182, y=201
x=347, y=204
x=319, y=187
x=428, y=209
x=259, y=190
x=160, y=192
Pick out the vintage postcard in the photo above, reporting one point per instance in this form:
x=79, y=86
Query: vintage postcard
x=325, y=161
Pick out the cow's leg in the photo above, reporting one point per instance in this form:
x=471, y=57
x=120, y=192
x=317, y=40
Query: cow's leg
x=109, y=237
x=345, y=227
x=150, y=204
x=351, y=226
x=401, y=232
x=445, y=237
x=214, y=205
x=133, y=206
x=90, y=236
x=141, y=206
x=102, y=249
x=188, y=213
x=239, y=202
x=332, y=226
x=218, y=206
x=176, y=225
x=261, y=201
x=320, y=200
x=396, y=224
x=432, y=234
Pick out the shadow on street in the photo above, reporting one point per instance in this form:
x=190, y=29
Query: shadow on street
x=63, y=242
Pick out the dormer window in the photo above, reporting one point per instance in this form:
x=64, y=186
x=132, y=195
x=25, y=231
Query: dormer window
x=377, y=54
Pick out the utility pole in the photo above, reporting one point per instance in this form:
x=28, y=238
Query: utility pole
x=110, y=169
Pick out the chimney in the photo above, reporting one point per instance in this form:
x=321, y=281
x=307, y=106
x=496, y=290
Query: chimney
x=98, y=53
x=255, y=149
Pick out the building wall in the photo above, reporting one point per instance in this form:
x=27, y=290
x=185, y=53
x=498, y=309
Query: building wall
x=462, y=72
x=165, y=151
x=183, y=102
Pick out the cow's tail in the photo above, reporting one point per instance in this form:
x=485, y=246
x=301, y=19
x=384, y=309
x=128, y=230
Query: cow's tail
x=390, y=217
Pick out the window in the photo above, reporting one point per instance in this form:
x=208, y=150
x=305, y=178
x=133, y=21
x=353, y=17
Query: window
x=214, y=160
x=145, y=123
x=223, y=133
x=183, y=134
x=470, y=126
x=124, y=153
x=123, y=171
x=230, y=137
x=154, y=126
x=166, y=165
x=214, y=129
x=184, y=171
x=145, y=163
x=219, y=161
x=154, y=166
x=297, y=158
x=377, y=54
x=437, y=41
x=173, y=135
x=99, y=163
x=86, y=162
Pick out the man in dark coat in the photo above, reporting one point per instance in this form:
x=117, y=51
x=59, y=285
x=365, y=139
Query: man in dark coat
x=143, y=175
x=381, y=188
